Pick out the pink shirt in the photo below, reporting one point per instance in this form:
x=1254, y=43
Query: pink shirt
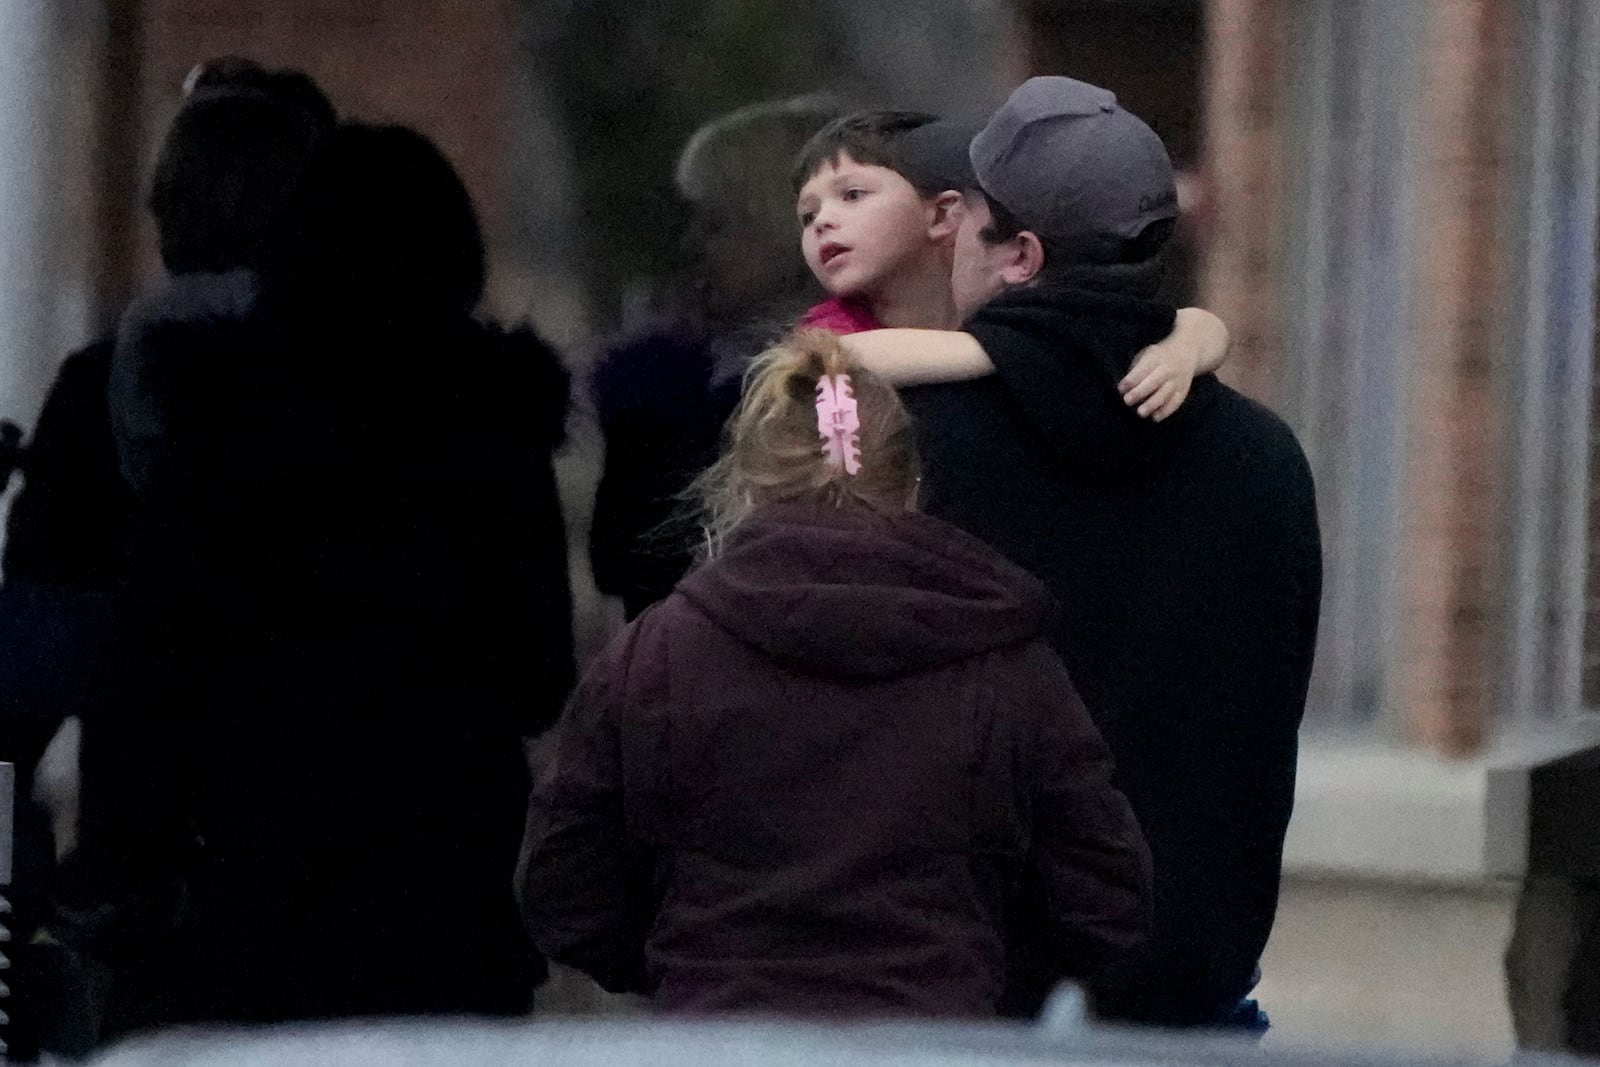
x=841, y=315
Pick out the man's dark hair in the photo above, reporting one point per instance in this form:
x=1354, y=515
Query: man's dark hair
x=229, y=161
x=1060, y=264
x=870, y=137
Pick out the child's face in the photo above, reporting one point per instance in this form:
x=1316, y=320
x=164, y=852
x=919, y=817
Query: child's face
x=860, y=225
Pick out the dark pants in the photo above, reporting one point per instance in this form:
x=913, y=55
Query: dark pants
x=1553, y=965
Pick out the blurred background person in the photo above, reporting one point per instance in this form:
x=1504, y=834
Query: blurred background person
x=663, y=394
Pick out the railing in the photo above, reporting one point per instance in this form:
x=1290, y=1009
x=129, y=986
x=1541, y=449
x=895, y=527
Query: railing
x=7, y=837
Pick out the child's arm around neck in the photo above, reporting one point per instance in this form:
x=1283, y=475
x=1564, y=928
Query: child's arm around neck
x=907, y=357
x=1159, y=380
x=1158, y=383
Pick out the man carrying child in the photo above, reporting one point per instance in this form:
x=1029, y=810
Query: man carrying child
x=1184, y=553
x=1183, y=550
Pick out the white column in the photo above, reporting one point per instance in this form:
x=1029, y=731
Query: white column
x=28, y=206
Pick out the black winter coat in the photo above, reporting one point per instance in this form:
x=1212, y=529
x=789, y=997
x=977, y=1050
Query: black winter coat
x=663, y=397
x=65, y=553
x=662, y=420
x=348, y=606
x=1186, y=560
x=68, y=523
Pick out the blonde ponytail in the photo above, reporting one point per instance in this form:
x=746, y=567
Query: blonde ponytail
x=774, y=452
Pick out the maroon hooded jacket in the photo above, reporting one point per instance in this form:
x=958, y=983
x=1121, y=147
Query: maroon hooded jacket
x=821, y=776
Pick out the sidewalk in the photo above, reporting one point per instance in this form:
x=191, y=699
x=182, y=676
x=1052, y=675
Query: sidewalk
x=1394, y=965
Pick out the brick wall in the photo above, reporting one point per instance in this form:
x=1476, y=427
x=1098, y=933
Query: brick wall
x=1447, y=619
x=1450, y=624
x=1243, y=159
x=445, y=68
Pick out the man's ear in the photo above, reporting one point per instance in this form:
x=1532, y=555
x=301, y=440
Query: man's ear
x=947, y=208
x=1027, y=259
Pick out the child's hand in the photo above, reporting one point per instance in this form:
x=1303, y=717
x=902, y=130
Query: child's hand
x=1159, y=382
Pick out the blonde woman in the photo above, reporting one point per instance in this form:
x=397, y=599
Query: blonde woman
x=826, y=773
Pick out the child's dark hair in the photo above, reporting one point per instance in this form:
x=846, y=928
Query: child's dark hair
x=871, y=137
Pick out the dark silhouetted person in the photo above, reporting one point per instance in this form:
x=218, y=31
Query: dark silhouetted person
x=349, y=607
x=67, y=532
x=663, y=394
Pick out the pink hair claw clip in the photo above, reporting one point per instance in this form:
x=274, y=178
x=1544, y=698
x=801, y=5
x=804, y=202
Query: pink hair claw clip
x=839, y=423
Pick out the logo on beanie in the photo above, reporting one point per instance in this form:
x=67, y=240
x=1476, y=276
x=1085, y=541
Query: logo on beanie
x=1165, y=198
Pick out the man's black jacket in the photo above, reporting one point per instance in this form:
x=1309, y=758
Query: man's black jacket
x=1186, y=561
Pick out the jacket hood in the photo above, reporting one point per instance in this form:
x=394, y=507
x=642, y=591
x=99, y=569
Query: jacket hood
x=1061, y=354
x=858, y=594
